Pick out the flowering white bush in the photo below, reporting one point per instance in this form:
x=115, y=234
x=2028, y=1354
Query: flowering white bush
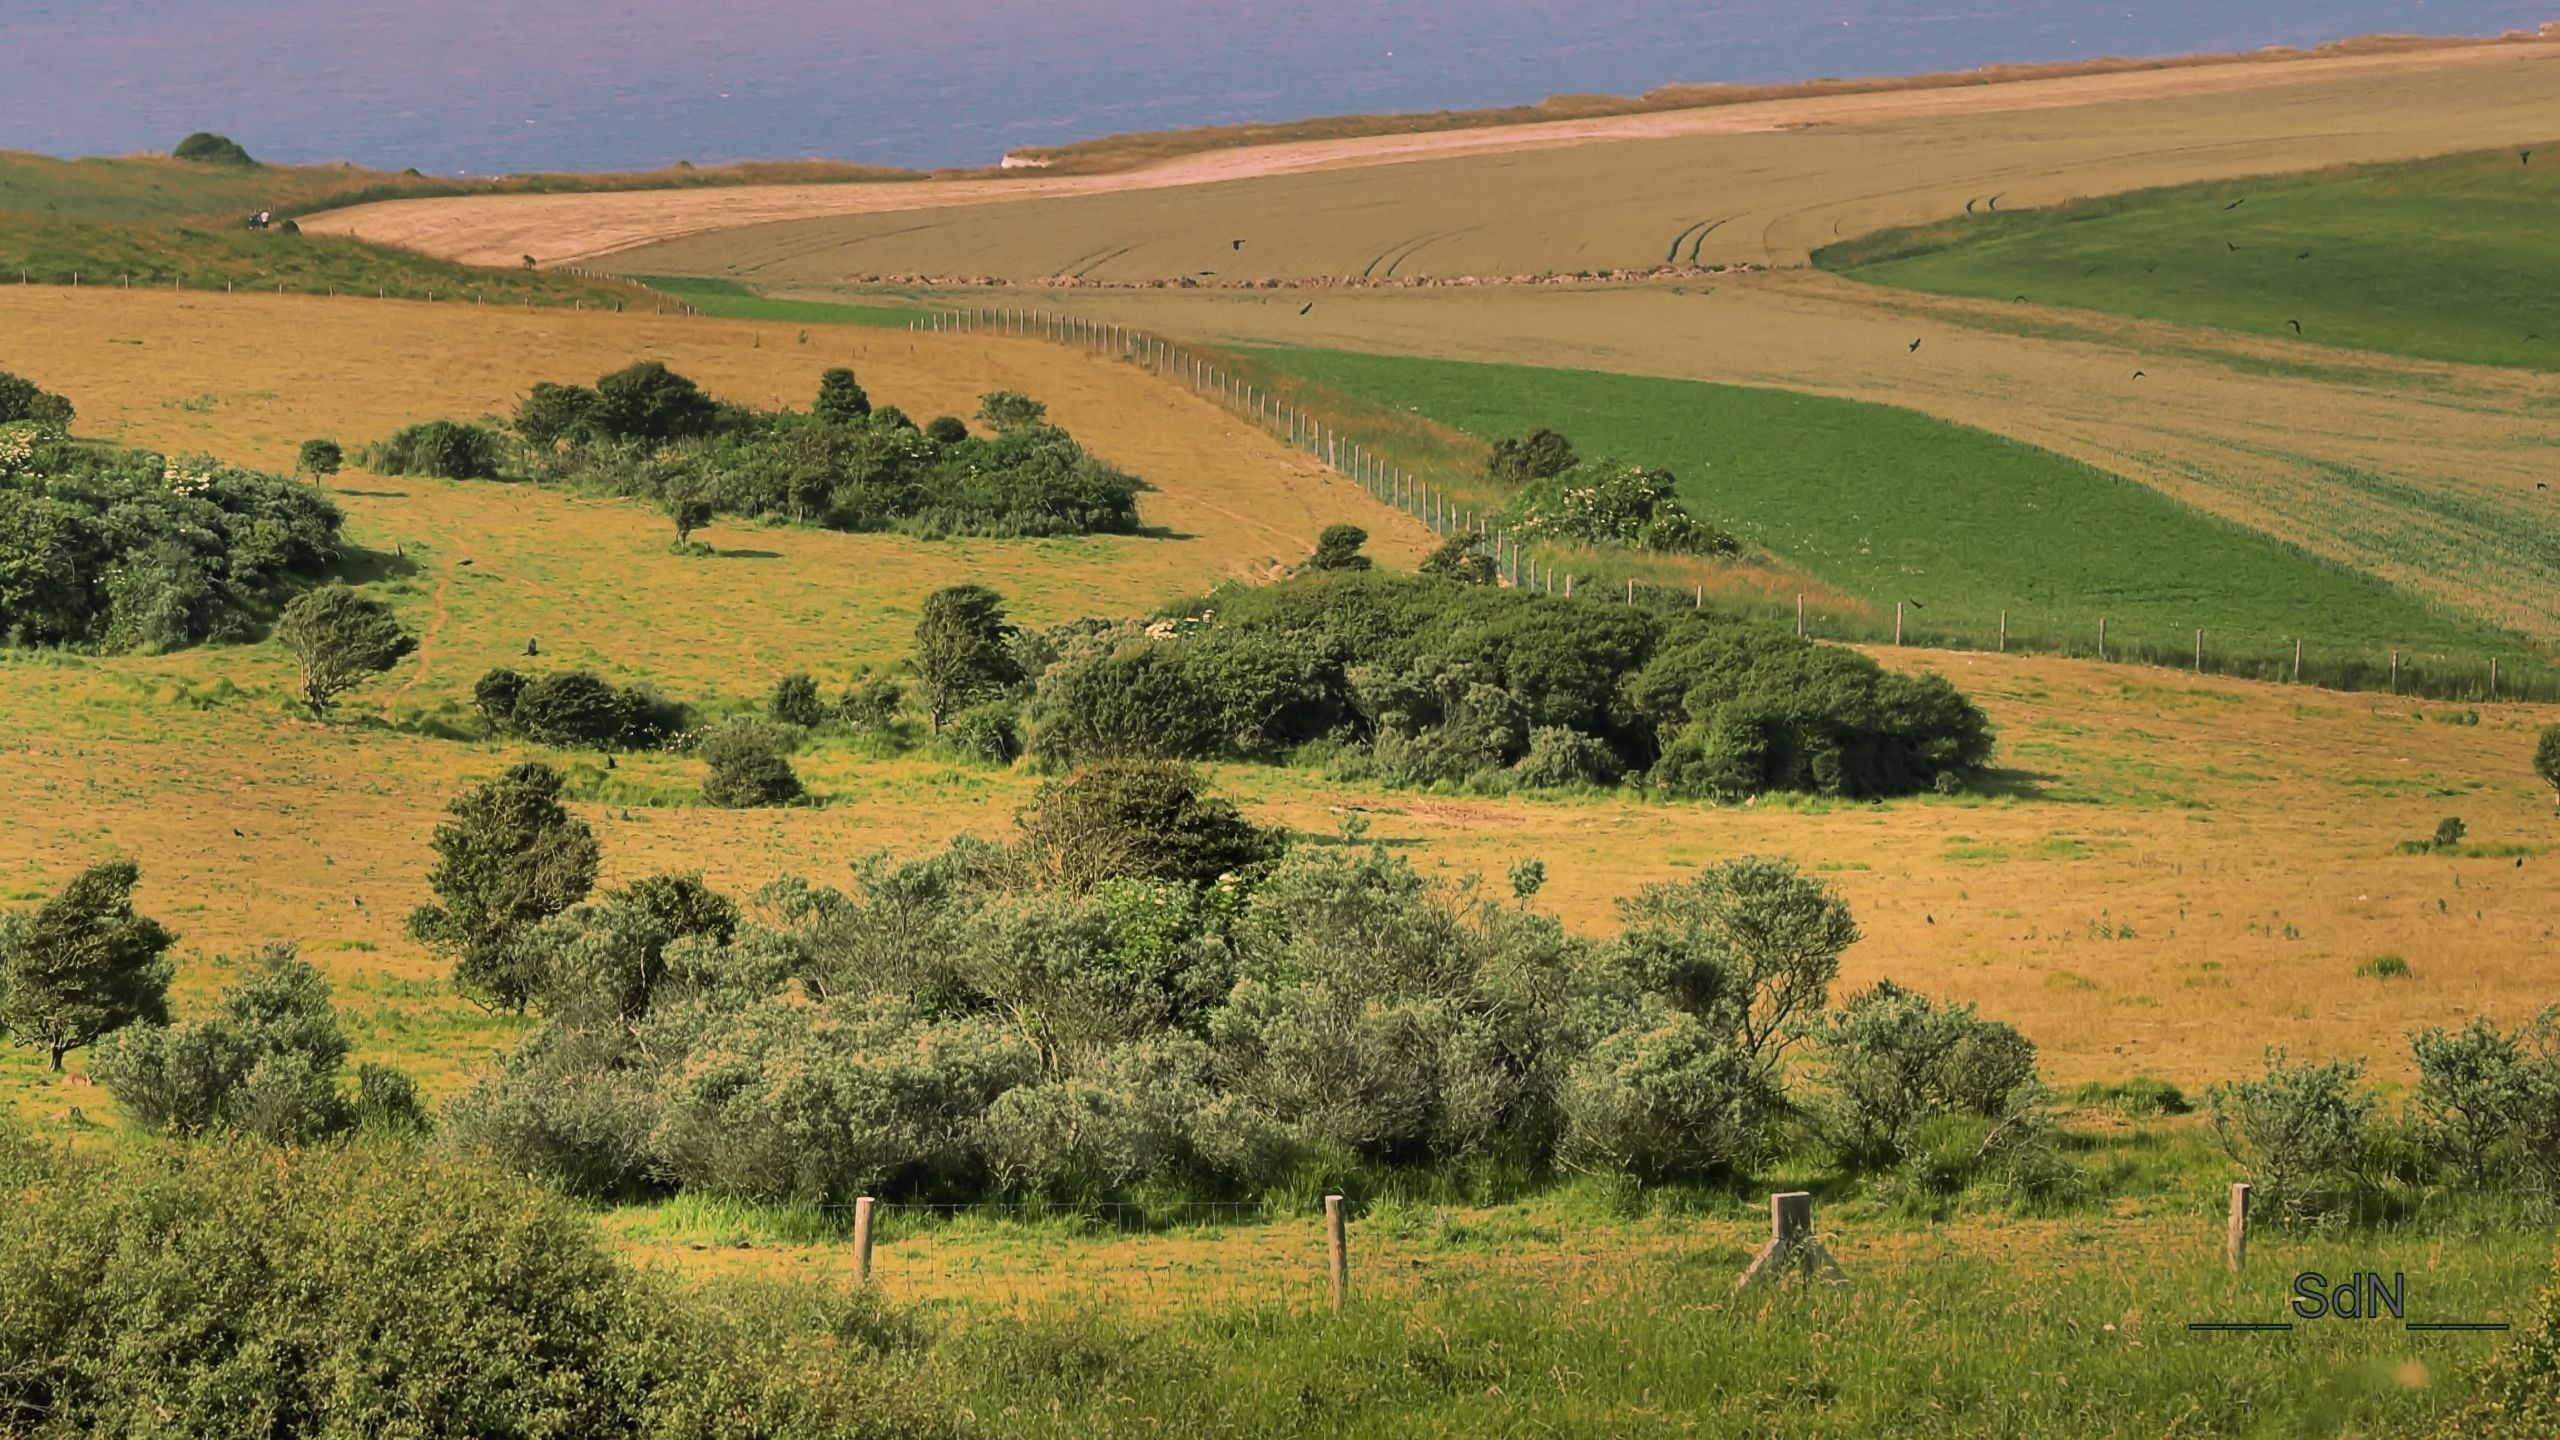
x=1610, y=502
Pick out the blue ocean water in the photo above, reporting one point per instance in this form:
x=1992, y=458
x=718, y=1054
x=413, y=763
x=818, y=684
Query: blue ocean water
x=477, y=86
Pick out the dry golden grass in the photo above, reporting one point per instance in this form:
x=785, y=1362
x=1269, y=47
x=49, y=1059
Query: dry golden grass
x=1783, y=176
x=2172, y=874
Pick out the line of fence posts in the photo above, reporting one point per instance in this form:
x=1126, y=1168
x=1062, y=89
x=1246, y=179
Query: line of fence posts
x=1404, y=490
x=1793, y=1249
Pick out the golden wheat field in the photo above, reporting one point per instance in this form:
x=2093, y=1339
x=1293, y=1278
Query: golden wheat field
x=2169, y=873
x=1761, y=182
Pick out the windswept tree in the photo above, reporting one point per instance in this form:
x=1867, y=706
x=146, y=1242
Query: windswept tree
x=1338, y=548
x=1462, y=558
x=83, y=964
x=2546, y=759
x=961, y=652
x=648, y=401
x=689, y=515
x=510, y=858
x=1006, y=411
x=1749, y=947
x=340, y=639
x=1539, y=455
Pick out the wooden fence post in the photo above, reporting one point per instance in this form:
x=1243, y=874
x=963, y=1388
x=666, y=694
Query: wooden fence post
x=862, y=1241
x=2235, y=1244
x=2395, y=672
x=2297, y=662
x=1791, y=1245
x=2102, y=637
x=1897, y=622
x=1799, y=614
x=2199, y=652
x=2004, y=632
x=1337, y=1247
x=2493, y=677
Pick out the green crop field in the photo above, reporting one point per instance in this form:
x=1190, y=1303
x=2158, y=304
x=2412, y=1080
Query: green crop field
x=2447, y=259
x=732, y=301
x=1889, y=505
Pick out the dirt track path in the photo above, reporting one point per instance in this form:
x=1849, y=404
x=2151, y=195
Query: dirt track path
x=560, y=229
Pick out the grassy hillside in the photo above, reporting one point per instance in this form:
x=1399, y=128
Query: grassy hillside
x=2444, y=259
x=1889, y=505
x=43, y=251
x=158, y=187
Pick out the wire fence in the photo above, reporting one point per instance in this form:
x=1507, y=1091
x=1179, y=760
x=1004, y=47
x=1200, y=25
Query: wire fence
x=177, y=281
x=1520, y=561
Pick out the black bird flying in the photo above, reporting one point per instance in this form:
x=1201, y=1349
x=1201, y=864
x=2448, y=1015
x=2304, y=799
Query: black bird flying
x=2236, y=204
x=1303, y=309
x=2296, y=324
x=2137, y=374
x=1915, y=348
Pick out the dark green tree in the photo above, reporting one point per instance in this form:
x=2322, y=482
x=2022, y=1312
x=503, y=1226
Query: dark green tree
x=2546, y=758
x=510, y=858
x=1338, y=548
x=495, y=695
x=648, y=401
x=947, y=429
x=961, y=651
x=841, y=398
x=22, y=399
x=1140, y=820
x=551, y=413
x=83, y=964
x=321, y=459
x=340, y=639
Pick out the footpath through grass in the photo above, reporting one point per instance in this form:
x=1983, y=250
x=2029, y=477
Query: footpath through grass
x=2444, y=259
x=1957, y=524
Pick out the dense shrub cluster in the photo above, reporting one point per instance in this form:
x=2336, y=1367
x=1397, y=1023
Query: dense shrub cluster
x=649, y=433
x=229, y=1290
x=439, y=449
x=575, y=710
x=112, y=549
x=23, y=401
x=265, y=1064
x=1147, y=991
x=1419, y=681
x=1596, y=501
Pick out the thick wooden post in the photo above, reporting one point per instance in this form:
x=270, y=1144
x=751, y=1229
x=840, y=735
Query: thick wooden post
x=1791, y=1245
x=2297, y=662
x=2102, y=637
x=862, y=1241
x=2493, y=677
x=1631, y=591
x=1897, y=622
x=2199, y=652
x=2004, y=632
x=1799, y=614
x=2395, y=672
x=2235, y=1244
x=1337, y=1247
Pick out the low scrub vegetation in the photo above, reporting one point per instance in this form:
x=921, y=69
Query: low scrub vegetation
x=109, y=549
x=649, y=433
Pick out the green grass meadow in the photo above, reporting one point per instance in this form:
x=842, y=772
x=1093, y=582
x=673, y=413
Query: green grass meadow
x=730, y=300
x=2445, y=259
x=1959, y=525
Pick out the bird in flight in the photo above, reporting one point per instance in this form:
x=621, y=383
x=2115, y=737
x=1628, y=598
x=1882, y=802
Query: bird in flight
x=2296, y=324
x=2525, y=158
x=2236, y=204
x=2137, y=374
x=2227, y=245
x=1915, y=348
x=1237, y=244
x=1303, y=309
x=462, y=562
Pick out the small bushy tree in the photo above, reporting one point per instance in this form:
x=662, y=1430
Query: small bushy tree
x=1539, y=455
x=1462, y=558
x=2546, y=759
x=441, y=449
x=23, y=399
x=962, y=655
x=83, y=964
x=946, y=429
x=204, y=147
x=870, y=704
x=495, y=695
x=688, y=515
x=510, y=857
x=551, y=413
x=264, y=1064
x=321, y=459
x=339, y=640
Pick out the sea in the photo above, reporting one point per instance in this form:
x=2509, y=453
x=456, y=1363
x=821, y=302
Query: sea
x=482, y=86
